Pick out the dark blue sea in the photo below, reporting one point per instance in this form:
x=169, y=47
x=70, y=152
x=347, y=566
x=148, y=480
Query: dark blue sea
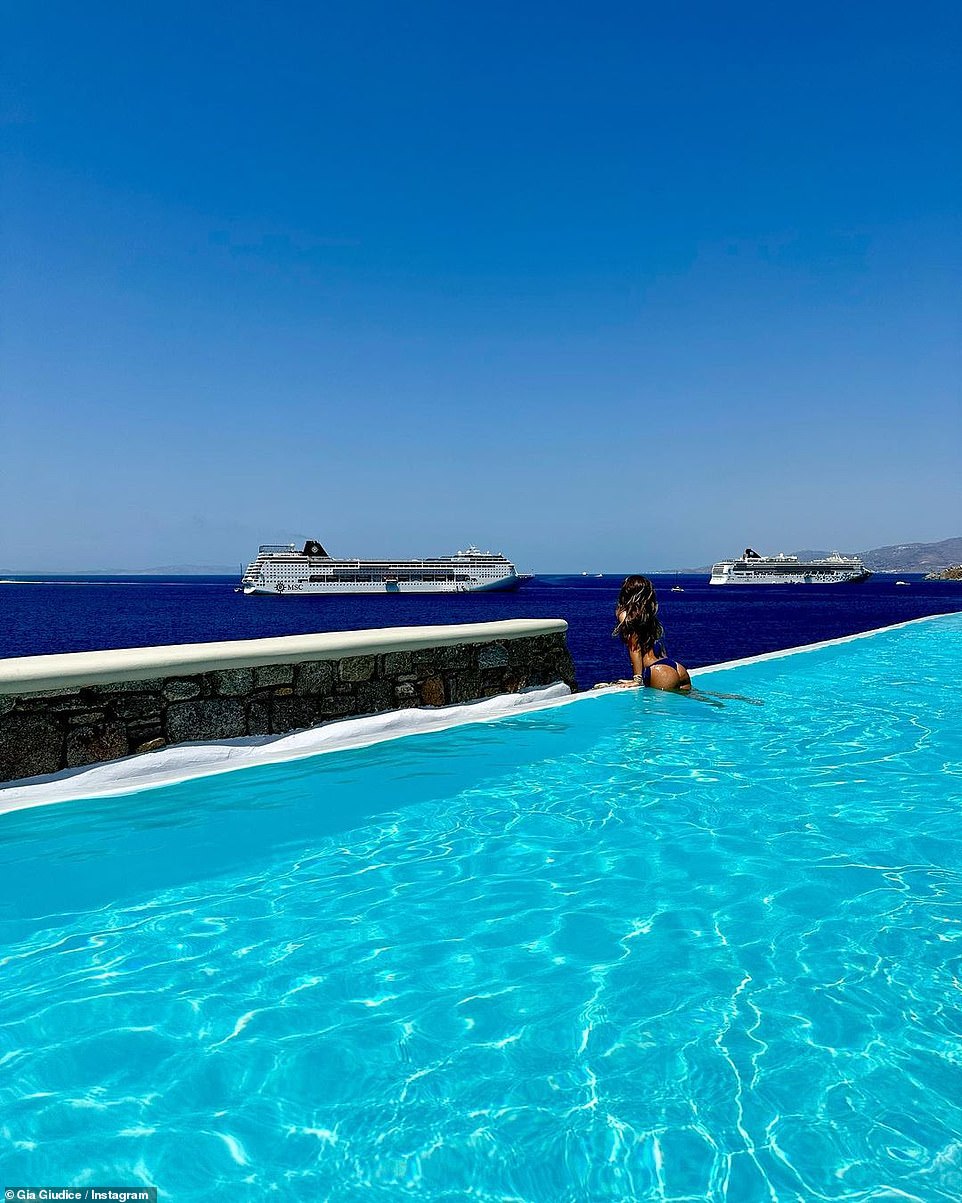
x=703, y=625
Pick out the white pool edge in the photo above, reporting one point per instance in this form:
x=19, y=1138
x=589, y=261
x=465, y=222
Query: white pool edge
x=73, y=670
x=186, y=761
x=182, y=762
x=814, y=647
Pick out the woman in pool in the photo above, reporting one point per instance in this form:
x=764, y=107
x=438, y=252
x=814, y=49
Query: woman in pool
x=643, y=635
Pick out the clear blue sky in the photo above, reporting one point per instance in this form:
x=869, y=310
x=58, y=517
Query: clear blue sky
x=604, y=286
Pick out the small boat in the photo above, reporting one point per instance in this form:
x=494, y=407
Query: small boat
x=902, y=583
x=678, y=588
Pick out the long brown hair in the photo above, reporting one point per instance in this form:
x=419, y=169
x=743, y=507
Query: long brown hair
x=637, y=614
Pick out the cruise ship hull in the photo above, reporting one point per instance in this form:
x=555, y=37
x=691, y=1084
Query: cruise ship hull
x=368, y=587
x=801, y=578
x=754, y=569
x=286, y=571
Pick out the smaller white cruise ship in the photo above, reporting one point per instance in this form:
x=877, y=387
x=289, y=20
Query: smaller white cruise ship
x=754, y=569
x=284, y=569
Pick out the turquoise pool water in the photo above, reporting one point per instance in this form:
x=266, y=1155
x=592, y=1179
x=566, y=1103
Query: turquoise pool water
x=635, y=947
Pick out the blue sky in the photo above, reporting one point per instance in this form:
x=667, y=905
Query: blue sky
x=606, y=287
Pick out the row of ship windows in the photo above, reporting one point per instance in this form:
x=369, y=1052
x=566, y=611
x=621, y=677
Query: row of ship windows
x=784, y=569
x=377, y=577
x=411, y=575
x=380, y=578
x=276, y=565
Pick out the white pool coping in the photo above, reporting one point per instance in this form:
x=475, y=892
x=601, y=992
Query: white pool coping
x=185, y=761
x=814, y=647
x=73, y=670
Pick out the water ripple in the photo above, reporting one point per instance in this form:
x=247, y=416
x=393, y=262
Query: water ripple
x=638, y=951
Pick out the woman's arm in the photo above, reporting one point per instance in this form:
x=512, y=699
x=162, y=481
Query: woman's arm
x=636, y=657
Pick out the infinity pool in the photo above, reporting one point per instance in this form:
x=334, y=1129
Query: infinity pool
x=633, y=947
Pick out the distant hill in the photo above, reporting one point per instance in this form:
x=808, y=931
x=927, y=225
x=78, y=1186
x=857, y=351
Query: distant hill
x=900, y=557
x=186, y=570
x=169, y=570
x=914, y=557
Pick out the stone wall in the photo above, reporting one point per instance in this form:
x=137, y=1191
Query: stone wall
x=45, y=730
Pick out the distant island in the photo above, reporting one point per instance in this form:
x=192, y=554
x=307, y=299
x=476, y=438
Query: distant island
x=940, y=561
x=900, y=557
x=169, y=570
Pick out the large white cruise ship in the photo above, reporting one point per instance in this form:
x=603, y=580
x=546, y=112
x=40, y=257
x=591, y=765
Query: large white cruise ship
x=283, y=569
x=754, y=569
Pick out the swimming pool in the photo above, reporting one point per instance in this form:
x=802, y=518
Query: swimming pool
x=632, y=947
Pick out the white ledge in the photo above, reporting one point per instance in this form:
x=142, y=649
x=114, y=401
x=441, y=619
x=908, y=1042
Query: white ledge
x=181, y=762
x=73, y=670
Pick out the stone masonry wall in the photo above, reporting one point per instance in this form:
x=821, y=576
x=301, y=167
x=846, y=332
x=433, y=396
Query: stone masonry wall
x=65, y=728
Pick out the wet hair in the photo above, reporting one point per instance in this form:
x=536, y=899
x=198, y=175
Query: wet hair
x=637, y=614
